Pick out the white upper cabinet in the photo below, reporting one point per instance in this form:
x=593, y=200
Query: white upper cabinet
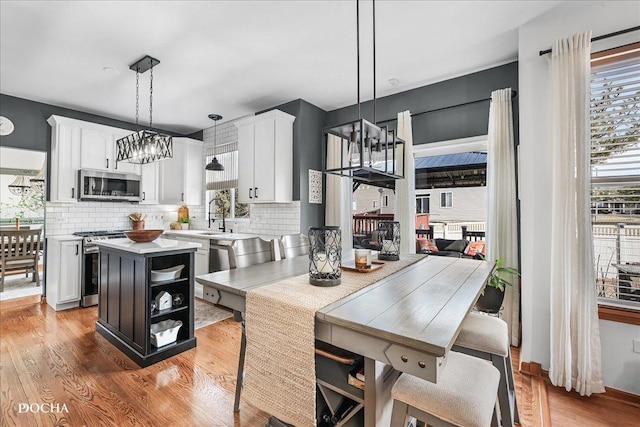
x=76, y=144
x=65, y=160
x=149, y=183
x=96, y=149
x=181, y=177
x=99, y=151
x=265, y=158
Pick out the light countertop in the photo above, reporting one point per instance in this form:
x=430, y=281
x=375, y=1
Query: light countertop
x=64, y=237
x=212, y=235
x=157, y=246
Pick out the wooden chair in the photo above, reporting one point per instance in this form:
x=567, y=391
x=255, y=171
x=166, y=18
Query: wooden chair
x=293, y=245
x=19, y=251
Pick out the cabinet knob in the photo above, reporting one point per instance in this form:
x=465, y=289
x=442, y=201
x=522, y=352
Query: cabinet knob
x=404, y=358
x=422, y=364
x=144, y=195
x=182, y=197
x=255, y=192
x=77, y=250
x=250, y=193
x=107, y=163
x=73, y=193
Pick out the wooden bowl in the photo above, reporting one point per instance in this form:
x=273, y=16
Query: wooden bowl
x=141, y=236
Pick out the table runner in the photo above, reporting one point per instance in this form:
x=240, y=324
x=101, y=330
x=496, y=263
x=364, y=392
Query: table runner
x=280, y=327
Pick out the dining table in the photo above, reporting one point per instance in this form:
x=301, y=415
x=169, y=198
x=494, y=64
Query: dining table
x=406, y=322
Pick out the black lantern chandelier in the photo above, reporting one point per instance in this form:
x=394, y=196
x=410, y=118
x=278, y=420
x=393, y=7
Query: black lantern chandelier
x=144, y=146
x=215, y=165
x=368, y=153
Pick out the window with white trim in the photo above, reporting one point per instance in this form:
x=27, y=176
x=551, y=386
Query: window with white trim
x=615, y=173
x=422, y=204
x=446, y=199
x=222, y=185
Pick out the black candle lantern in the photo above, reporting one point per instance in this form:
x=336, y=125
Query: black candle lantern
x=389, y=239
x=325, y=256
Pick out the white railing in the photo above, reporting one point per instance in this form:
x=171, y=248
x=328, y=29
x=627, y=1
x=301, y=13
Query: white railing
x=453, y=230
x=616, y=254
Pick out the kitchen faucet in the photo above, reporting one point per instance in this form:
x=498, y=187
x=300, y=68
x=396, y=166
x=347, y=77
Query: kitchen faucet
x=223, y=226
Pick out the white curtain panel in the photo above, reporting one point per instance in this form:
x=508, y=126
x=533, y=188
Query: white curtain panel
x=339, y=196
x=502, y=226
x=405, y=200
x=575, y=334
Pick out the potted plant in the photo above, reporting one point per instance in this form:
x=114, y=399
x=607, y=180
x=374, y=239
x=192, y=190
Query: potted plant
x=137, y=220
x=184, y=222
x=492, y=296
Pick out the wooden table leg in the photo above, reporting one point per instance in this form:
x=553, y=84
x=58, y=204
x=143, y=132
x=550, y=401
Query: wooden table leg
x=379, y=378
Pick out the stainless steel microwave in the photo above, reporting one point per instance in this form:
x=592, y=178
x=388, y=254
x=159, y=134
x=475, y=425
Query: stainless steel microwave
x=107, y=186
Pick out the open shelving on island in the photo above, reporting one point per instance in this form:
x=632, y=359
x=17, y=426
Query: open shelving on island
x=126, y=291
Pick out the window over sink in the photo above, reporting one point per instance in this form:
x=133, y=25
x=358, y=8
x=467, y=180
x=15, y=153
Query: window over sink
x=224, y=184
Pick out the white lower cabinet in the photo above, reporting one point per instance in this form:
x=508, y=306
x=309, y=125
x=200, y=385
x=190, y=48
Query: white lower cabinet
x=202, y=262
x=201, y=259
x=64, y=266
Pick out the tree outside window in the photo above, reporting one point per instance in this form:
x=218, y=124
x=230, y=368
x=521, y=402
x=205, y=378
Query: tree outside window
x=231, y=210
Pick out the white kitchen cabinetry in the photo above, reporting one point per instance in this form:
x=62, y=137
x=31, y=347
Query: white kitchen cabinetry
x=265, y=157
x=98, y=149
x=149, y=184
x=201, y=258
x=64, y=266
x=181, y=176
x=76, y=144
x=65, y=160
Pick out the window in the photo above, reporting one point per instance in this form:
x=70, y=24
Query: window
x=446, y=199
x=233, y=210
x=615, y=173
x=422, y=204
x=385, y=201
x=223, y=184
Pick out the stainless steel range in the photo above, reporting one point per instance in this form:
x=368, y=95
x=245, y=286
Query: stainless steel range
x=91, y=263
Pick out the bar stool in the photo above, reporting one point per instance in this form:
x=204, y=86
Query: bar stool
x=465, y=395
x=487, y=337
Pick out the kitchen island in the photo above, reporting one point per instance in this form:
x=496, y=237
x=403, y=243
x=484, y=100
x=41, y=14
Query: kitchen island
x=126, y=292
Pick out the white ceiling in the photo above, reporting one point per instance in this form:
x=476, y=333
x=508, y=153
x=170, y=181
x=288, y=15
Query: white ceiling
x=237, y=57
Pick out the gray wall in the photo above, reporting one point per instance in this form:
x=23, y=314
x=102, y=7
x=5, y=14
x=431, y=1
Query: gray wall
x=451, y=123
x=307, y=154
x=32, y=132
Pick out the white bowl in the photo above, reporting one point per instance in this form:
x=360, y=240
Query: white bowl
x=165, y=332
x=170, y=273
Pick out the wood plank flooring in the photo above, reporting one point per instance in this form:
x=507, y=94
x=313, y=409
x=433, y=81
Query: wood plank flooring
x=58, y=358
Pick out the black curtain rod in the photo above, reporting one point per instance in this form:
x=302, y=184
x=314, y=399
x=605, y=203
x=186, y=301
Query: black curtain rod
x=606, y=36
x=513, y=95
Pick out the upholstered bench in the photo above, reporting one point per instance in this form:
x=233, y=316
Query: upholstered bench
x=465, y=395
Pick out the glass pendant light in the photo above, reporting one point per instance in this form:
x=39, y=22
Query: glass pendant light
x=215, y=165
x=20, y=186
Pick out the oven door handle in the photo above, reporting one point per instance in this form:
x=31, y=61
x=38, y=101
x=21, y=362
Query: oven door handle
x=91, y=250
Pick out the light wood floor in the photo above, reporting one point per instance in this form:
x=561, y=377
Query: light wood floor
x=49, y=357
